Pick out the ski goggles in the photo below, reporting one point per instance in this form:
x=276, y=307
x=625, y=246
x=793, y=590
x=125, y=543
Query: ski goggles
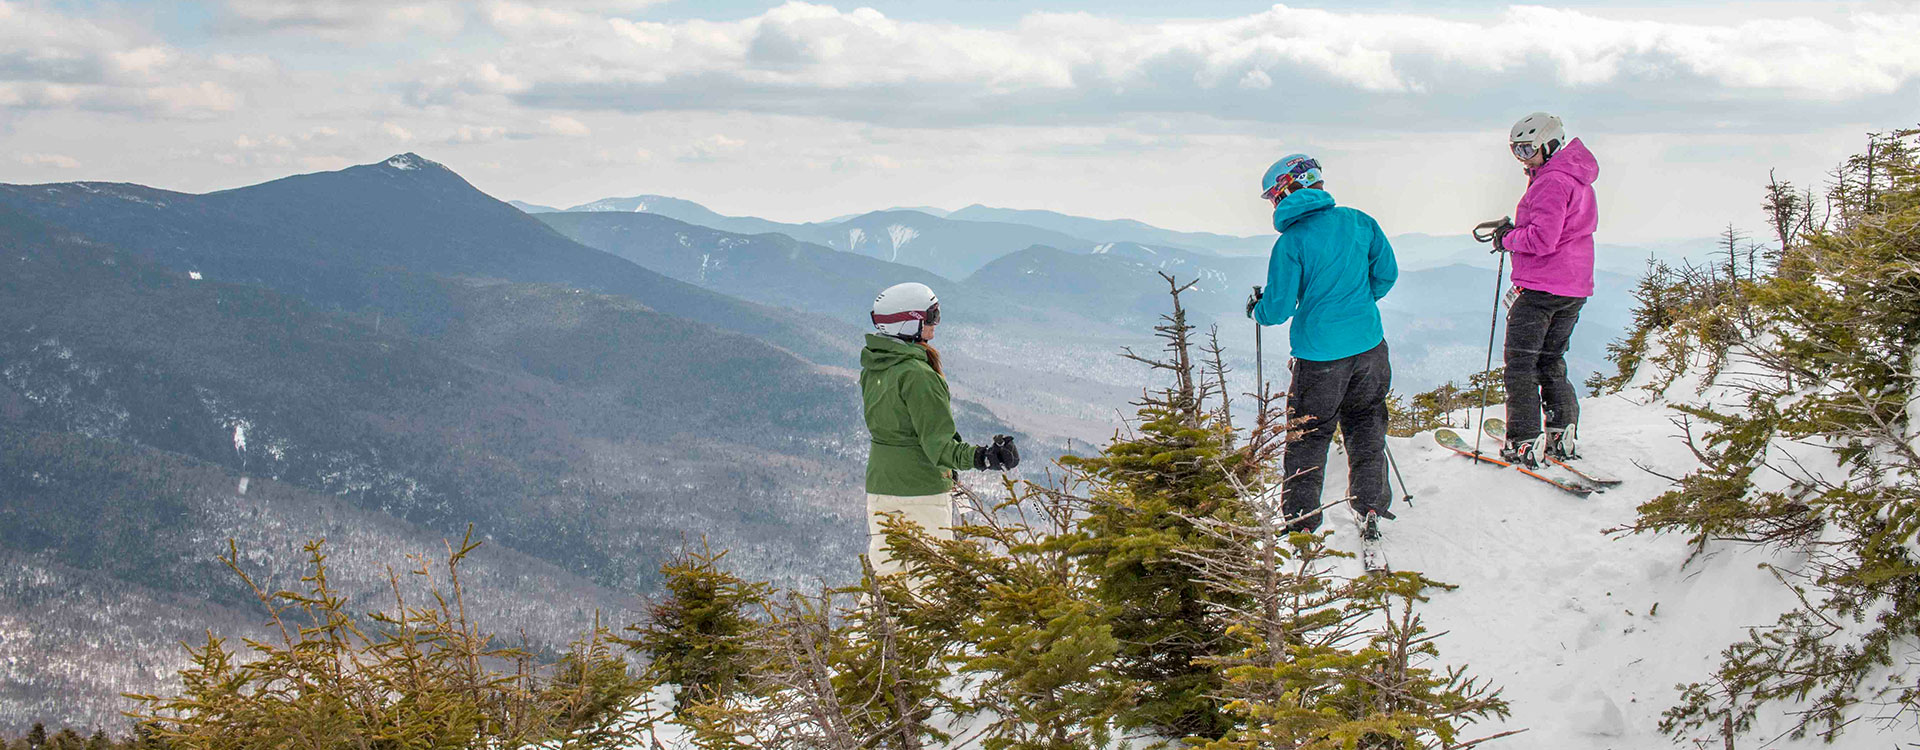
x=1291, y=180
x=1523, y=151
x=927, y=317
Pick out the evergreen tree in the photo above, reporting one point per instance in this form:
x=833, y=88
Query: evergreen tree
x=696, y=636
x=67, y=739
x=1145, y=490
x=1038, y=643
x=1841, y=332
x=416, y=676
x=1489, y=386
x=1327, y=662
x=37, y=736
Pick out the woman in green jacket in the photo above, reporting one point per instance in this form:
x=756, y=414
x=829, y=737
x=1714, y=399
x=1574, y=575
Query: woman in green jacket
x=915, y=446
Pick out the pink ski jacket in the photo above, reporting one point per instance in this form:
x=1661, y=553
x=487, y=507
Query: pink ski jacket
x=1552, y=237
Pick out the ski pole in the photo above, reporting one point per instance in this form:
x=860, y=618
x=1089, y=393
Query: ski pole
x=1406, y=495
x=1259, y=356
x=1489, y=231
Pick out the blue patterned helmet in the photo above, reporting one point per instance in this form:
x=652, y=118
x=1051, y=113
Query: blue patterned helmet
x=1290, y=173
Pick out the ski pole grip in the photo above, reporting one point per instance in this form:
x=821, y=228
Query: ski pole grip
x=1485, y=231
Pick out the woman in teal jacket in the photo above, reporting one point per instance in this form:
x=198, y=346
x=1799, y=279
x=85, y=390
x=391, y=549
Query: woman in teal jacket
x=1329, y=268
x=915, y=447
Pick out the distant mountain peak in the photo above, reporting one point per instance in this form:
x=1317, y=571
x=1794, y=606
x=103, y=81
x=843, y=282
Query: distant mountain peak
x=410, y=161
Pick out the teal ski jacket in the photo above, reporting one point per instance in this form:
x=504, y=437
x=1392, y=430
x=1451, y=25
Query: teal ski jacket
x=1329, y=267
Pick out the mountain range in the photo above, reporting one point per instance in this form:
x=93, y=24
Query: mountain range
x=1061, y=314
x=874, y=234
x=385, y=356
x=405, y=357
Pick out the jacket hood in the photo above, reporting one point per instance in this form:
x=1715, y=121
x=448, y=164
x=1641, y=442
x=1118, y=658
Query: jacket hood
x=884, y=352
x=1299, y=204
x=1573, y=160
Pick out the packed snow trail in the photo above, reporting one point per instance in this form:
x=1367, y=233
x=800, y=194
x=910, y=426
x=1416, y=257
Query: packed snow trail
x=1564, y=616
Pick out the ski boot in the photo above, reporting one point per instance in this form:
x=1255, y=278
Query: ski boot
x=1559, y=444
x=1522, y=453
x=1370, y=528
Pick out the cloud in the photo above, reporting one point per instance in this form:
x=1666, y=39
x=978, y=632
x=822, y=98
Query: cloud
x=52, y=60
x=1282, y=65
x=566, y=126
x=57, y=161
x=477, y=134
x=865, y=161
x=711, y=148
x=396, y=132
x=342, y=19
x=622, y=156
x=356, y=20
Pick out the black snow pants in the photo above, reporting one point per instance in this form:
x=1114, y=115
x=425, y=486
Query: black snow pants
x=1539, y=327
x=1350, y=394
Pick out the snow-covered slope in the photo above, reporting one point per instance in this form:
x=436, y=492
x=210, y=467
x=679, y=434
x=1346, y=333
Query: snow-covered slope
x=1588, y=632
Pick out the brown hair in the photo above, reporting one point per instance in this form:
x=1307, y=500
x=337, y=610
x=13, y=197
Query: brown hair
x=933, y=358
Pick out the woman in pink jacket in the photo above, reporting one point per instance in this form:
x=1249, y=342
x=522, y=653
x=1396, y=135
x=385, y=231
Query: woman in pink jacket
x=1551, y=242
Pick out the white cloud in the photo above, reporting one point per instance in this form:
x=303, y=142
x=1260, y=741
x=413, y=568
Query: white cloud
x=1050, y=110
x=53, y=60
x=58, y=161
x=354, y=20
x=862, y=65
x=865, y=161
x=624, y=156
x=711, y=148
x=566, y=126
x=343, y=19
x=193, y=99
x=476, y=134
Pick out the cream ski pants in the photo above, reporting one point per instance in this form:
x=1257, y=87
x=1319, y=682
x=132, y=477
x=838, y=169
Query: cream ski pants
x=933, y=512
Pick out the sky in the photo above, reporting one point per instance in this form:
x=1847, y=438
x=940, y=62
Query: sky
x=1163, y=112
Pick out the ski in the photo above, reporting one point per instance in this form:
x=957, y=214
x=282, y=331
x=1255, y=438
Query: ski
x=1496, y=428
x=1452, y=441
x=1372, y=558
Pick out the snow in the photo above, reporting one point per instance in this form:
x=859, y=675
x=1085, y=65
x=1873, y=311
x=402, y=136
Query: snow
x=901, y=234
x=1588, y=632
x=855, y=236
x=403, y=163
x=195, y=275
x=1913, y=399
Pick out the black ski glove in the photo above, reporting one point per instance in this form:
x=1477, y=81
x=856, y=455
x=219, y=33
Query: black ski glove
x=1253, y=300
x=999, y=456
x=1495, y=232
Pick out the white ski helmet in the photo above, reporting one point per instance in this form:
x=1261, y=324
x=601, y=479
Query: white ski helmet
x=902, y=308
x=1537, y=133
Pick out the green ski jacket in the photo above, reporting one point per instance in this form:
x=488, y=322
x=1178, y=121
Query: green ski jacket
x=910, y=415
